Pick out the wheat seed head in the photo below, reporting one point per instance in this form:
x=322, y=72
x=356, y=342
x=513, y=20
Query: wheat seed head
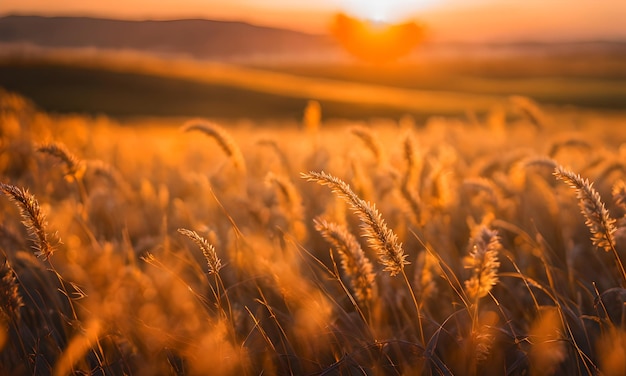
x=223, y=139
x=213, y=262
x=10, y=298
x=32, y=217
x=74, y=166
x=382, y=239
x=597, y=218
x=353, y=260
x=483, y=261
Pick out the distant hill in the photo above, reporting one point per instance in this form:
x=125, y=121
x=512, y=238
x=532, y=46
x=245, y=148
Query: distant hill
x=193, y=37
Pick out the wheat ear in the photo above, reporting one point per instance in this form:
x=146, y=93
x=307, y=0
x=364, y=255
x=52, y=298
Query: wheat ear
x=383, y=240
x=10, y=298
x=619, y=193
x=32, y=218
x=293, y=203
x=371, y=142
x=353, y=260
x=289, y=192
x=483, y=260
x=539, y=161
x=75, y=167
x=409, y=195
x=213, y=262
x=530, y=109
x=223, y=139
x=597, y=217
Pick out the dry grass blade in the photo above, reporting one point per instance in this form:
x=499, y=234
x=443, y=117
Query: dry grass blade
x=383, y=240
x=597, y=217
x=353, y=260
x=214, y=263
x=223, y=139
x=32, y=218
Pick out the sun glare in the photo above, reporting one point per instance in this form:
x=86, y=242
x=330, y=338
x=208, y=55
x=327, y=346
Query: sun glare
x=376, y=42
x=390, y=11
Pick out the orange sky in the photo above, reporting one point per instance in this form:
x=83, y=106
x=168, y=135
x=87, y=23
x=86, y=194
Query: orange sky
x=459, y=20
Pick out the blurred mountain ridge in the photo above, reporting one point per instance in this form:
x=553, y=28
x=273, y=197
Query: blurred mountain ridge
x=198, y=38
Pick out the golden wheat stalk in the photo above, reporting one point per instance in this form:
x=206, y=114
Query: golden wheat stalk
x=10, y=298
x=223, y=139
x=75, y=167
x=353, y=260
x=409, y=194
x=383, y=240
x=78, y=347
x=312, y=116
x=32, y=218
x=427, y=268
x=480, y=184
x=483, y=336
x=539, y=161
x=105, y=170
x=293, y=203
x=213, y=262
x=619, y=193
x=597, y=218
x=548, y=347
x=288, y=191
x=483, y=260
x=371, y=142
x=282, y=157
x=573, y=142
x=530, y=109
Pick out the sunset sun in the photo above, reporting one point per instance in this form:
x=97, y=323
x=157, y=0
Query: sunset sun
x=374, y=40
x=390, y=11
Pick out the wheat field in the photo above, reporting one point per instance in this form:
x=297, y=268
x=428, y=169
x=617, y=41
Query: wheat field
x=482, y=244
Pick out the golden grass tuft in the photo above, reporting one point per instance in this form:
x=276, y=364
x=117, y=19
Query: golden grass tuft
x=353, y=260
x=213, y=262
x=370, y=141
x=382, y=240
x=32, y=217
x=75, y=167
x=483, y=262
x=10, y=298
x=407, y=186
x=597, y=218
x=503, y=278
x=222, y=137
x=619, y=193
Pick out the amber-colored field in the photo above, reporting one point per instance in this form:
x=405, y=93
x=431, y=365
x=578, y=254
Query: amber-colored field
x=450, y=246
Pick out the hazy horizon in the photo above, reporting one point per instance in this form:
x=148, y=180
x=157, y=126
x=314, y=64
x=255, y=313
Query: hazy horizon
x=446, y=20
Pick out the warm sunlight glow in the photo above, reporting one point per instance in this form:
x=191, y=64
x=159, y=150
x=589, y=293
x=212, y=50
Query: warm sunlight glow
x=376, y=42
x=385, y=10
